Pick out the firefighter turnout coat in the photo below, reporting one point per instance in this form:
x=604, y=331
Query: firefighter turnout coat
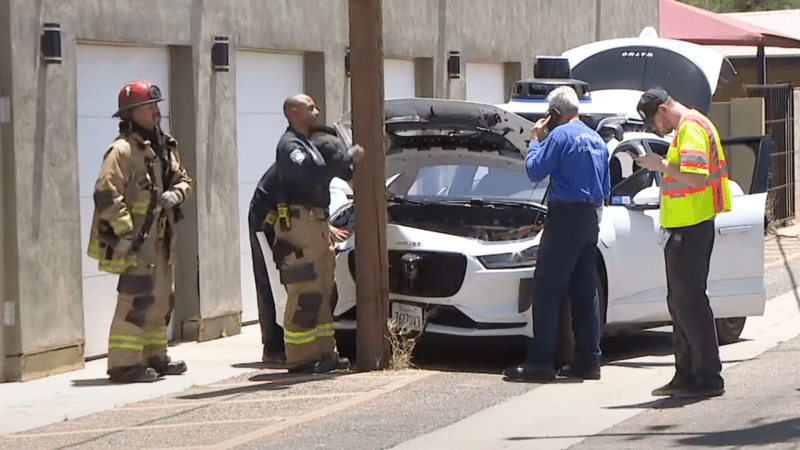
x=131, y=181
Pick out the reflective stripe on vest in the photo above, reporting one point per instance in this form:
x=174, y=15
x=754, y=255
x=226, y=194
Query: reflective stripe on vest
x=122, y=224
x=118, y=265
x=140, y=208
x=324, y=330
x=683, y=205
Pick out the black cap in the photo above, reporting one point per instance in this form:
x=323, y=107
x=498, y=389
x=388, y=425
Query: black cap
x=648, y=104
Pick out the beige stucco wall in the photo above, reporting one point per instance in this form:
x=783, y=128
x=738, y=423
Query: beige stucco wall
x=41, y=226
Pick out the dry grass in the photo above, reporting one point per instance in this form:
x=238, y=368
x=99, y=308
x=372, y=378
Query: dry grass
x=402, y=344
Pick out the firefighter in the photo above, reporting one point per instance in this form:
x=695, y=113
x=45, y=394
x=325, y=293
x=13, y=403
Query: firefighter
x=137, y=197
x=303, y=249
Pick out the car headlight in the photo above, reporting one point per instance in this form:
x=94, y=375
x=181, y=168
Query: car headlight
x=525, y=258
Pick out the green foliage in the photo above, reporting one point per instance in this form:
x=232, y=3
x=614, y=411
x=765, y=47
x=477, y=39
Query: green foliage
x=743, y=5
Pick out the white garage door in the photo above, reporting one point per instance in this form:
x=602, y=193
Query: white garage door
x=398, y=78
x=485, y=83
x=101, y=72
x=263, y=82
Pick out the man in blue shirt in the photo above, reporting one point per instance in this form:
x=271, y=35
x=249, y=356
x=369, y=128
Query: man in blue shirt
x=576, y=159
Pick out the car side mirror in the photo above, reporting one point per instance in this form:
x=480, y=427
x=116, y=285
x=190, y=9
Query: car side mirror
x=610, y=130
x=647, y=198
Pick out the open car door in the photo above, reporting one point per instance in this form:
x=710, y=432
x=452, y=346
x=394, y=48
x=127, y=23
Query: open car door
x=637, y=289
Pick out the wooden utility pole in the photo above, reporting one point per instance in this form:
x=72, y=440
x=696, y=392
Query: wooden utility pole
x=372, y=266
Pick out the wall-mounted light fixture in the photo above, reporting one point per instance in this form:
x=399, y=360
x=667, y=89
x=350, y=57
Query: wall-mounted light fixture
x=347, y=60
x=51, y=43
x=454, y=65
x=219, y=54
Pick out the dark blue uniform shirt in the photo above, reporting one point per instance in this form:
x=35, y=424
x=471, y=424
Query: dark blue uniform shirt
x=576, y=158
x=301, y=174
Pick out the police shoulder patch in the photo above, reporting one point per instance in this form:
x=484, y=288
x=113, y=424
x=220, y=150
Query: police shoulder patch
x=297, y=156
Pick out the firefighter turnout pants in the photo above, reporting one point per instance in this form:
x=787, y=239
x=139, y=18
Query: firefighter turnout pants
x=304, y=255
x=144, y=304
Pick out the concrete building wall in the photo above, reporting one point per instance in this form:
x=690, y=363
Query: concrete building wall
x=40, y=195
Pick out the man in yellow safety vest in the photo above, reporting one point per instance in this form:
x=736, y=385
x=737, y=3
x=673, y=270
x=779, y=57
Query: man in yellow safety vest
x=694, y=189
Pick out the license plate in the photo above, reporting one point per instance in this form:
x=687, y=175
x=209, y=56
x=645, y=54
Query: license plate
x=407, y=316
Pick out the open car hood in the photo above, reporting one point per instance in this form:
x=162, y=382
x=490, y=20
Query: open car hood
x=690, y=73
x=441, y=126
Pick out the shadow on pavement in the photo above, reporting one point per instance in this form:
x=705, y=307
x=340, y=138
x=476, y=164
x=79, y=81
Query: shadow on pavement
x=93, y=382
x=768, y=433
x=268, y=381
x=661, y=403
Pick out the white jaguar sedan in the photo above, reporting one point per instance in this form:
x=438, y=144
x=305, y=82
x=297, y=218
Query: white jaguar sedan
x=464, y=226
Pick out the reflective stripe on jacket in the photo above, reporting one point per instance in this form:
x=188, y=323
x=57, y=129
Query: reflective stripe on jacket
x=696, y=148
x=130, y=178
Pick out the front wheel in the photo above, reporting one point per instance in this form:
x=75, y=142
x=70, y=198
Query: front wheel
x=729, y=329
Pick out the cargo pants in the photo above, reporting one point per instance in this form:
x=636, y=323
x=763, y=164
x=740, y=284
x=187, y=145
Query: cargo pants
x=145, y=302
x=304, y=255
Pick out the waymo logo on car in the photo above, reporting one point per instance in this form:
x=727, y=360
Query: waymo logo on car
x=637, y=54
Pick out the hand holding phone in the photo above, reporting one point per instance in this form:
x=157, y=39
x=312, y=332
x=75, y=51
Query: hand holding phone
x=555, y=117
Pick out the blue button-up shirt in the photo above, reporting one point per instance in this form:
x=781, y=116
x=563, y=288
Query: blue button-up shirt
x=576, y=158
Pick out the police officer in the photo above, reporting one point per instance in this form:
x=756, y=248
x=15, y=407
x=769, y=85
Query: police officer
x=303, y=248
x=576, y=159
x=137, y=197
x=694, y=189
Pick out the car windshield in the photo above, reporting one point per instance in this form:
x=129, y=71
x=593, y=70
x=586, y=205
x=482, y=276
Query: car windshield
x=451, y=182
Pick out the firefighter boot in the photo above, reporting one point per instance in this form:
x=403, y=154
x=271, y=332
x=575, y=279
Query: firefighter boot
x=165, y=366
x=133, y=374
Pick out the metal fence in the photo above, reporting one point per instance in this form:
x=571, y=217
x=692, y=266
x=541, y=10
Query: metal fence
x=779, y=124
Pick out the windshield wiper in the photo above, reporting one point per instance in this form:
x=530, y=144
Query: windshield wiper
x=490, y=202
x=406, y=201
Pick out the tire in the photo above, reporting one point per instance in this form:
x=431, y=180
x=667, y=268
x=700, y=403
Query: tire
x=729, y=329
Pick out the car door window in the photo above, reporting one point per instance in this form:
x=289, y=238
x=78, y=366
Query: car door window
x=627, y=177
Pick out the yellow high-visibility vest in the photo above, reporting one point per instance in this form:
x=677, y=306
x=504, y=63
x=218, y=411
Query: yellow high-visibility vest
x=695, y=149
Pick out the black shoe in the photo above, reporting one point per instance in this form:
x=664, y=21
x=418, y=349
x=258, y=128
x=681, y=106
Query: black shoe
x=331, y=364
x=674, y=387
x=322, y=366
x=276, y=359
x=702, y=389
x=167, y=366
x=133, y=375
x=530, y=373
x=590, y=373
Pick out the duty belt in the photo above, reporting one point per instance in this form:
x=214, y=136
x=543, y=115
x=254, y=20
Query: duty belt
x=286, y=212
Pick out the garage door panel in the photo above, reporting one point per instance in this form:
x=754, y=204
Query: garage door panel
x=104, y=289
x=101, y=71
x=399, y=78
x=94, y=137
x=485, y=83
x=257, y=136
x=108, y=68
x=265, y=80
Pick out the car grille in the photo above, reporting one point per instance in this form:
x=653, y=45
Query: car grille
x=422, y=274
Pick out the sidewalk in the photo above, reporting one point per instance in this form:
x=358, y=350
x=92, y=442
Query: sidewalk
x=70, y=395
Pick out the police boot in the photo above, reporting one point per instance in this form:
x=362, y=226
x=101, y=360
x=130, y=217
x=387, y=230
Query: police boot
x=135, y=374
x=165, y=366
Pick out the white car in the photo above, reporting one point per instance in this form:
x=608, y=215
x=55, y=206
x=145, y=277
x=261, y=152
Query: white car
x=464, y=227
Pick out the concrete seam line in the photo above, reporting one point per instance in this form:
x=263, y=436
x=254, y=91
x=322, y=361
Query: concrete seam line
x=142, y=427
x=266, y=431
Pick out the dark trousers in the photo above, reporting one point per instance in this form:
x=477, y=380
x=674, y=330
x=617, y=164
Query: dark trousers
x=687, y=256
x=271, y=332
x=567, y=263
